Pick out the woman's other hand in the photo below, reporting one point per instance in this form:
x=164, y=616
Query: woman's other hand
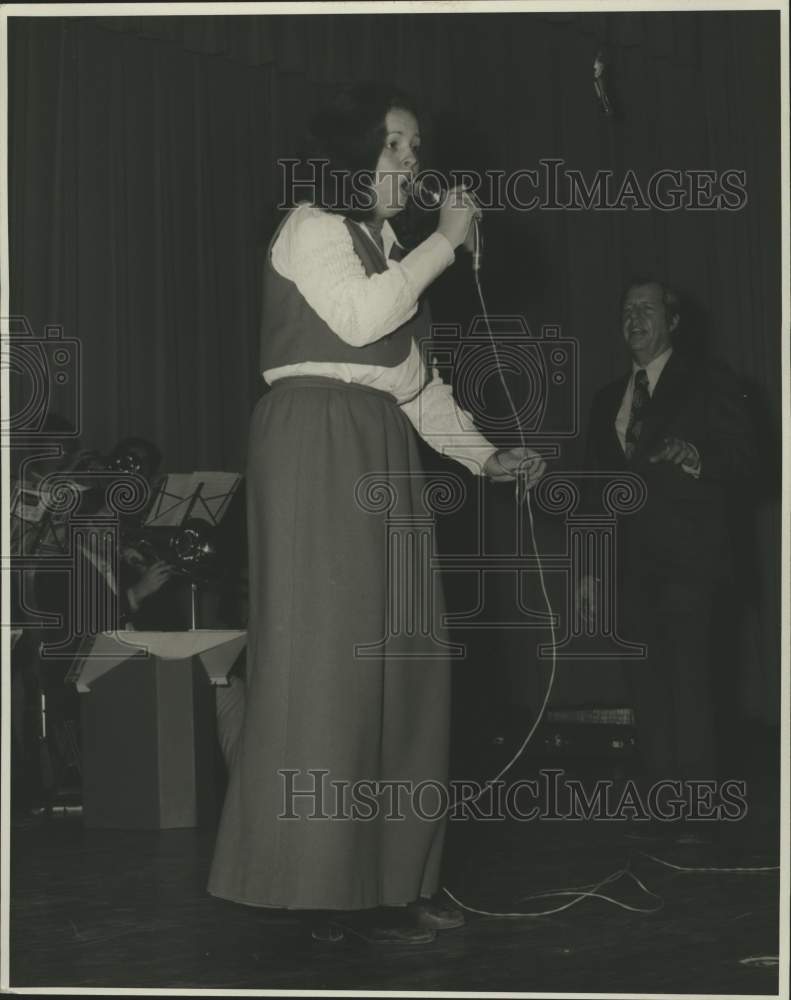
x=502, y=466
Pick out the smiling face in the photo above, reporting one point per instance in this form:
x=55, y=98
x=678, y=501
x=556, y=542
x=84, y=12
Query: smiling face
x=644, y=322
x=397, y=163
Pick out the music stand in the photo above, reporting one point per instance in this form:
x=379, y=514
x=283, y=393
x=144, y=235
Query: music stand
x=36, y=529
x=192, y=496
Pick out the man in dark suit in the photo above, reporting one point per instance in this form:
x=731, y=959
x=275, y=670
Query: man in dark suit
x=682, y=425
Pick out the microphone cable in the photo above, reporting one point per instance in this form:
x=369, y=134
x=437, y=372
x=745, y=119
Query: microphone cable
x=591, y=891
x=522, y=498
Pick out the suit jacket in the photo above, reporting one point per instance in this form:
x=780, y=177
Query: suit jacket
x=682, y=526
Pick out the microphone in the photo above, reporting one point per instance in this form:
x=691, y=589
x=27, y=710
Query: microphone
x=600, y=84
x=477, y=246
x=427, y=191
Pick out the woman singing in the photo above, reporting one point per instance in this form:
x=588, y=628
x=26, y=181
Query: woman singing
x=329, y=734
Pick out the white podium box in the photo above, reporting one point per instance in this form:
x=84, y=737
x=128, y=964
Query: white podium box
x=149, y=743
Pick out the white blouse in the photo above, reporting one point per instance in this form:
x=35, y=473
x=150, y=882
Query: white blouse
x=314, y=250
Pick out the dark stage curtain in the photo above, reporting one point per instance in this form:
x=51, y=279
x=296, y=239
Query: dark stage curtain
x=143, y=189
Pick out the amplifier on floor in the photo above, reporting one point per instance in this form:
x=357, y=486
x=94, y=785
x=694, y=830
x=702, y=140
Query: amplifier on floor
x=587, y=732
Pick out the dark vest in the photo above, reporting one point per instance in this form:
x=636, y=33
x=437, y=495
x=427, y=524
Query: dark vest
x=292, y=332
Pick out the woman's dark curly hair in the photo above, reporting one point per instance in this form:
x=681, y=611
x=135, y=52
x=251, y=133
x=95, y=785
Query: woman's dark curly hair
x=349, y=134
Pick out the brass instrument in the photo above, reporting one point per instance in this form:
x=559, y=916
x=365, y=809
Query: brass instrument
x=190, y=549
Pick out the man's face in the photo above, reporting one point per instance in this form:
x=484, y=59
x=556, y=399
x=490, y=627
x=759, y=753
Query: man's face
x=644, y=323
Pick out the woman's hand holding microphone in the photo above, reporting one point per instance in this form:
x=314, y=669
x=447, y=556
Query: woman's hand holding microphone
x=457, y=213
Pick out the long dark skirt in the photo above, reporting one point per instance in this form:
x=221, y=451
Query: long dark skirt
x=319, y=567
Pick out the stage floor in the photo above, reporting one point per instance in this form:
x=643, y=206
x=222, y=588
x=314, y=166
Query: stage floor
x=123, y=909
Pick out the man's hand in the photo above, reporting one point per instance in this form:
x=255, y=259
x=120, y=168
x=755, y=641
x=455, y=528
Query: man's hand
x=586, y=599
x=152, y=580
x=503, y=466
x=133, y=557
x=678, y=452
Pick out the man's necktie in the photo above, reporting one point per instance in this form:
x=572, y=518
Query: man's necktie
x=396, y=253
x=640, y=399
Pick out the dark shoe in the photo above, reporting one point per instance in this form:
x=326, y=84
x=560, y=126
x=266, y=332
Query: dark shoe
x=436, y=913
x=327, y=931
x=387, y=934
x=385, y=925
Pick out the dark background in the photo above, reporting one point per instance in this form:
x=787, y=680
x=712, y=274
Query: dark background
x=143, y=188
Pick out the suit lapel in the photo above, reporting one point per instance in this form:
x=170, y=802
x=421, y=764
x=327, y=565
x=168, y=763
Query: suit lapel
x=612, y=444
